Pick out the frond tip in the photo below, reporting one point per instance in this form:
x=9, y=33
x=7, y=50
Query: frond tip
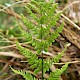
x=25, y=75
x=58, y=57
x=56, y=74
x=27, y=53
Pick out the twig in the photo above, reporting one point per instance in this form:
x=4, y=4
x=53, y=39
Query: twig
x=71, y=22
x=7, y=64
x=70, y=5
x=14, y=45
x=5, y=39
x=24, y=1
x=76, y=26
x=10, y=77
x=11, y=63
x=12, y=54
x=72, y=62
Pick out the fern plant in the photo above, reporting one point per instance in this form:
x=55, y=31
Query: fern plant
x=40, y=22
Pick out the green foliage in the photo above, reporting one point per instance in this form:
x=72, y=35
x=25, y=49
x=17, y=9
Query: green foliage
x=26, y=75
x=33, y=60
x=14, y=31
x=46, y=18
x=58, y=57
x=42, y=17
x=56, y=74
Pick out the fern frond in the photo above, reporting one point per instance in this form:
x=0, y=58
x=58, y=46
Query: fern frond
x=25, y=75
x=56, y=74
x=27, y=53
x=33, y=7
x=54, y=20
x=51, y=38
x=33, y=59
x=56, y=58
x=27, y=22
x=35, y=3
x=26, y=35
x=39, y=45
x=32, y=15
x=30, y=26
x=46, y=65
x=41, y=37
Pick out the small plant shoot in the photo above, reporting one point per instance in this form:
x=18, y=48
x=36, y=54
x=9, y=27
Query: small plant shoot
x=42, y=18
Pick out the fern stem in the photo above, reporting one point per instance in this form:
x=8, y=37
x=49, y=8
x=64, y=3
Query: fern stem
x=41, y=40
x=42, y=66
